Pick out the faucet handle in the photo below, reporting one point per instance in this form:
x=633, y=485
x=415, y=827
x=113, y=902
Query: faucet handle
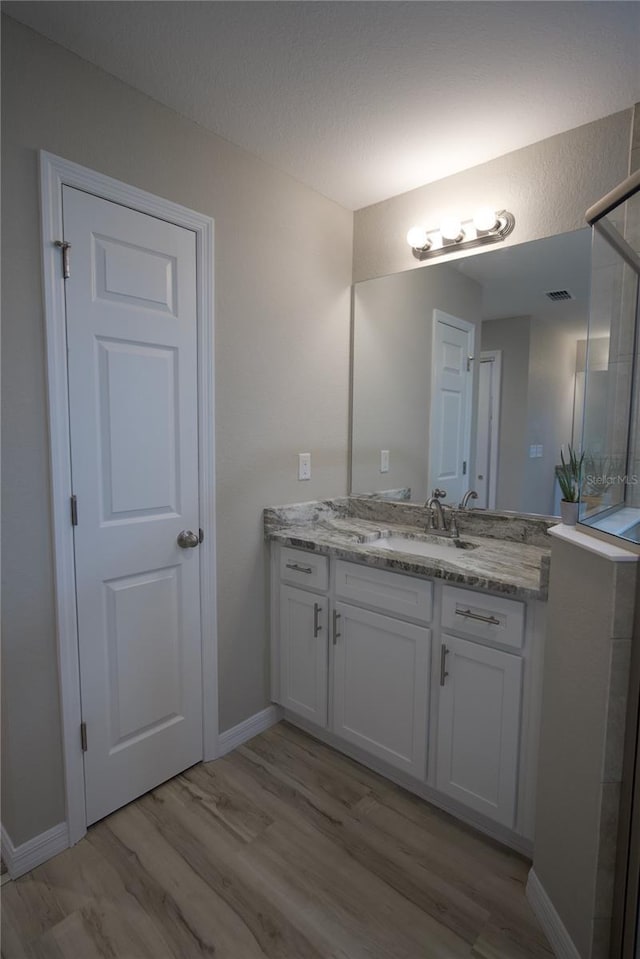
x=439, y=493
x=470, y=494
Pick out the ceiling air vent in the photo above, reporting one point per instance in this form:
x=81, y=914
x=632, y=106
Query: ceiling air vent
x=557, y=295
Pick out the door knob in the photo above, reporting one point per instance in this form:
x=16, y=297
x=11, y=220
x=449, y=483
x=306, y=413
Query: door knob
x=187, y=539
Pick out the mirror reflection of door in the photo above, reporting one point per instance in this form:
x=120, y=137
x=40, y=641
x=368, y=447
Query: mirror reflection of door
x=451, y=394
x=488, y=429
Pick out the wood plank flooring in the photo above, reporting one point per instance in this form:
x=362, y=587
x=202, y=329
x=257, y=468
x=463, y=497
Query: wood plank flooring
x=283, y=849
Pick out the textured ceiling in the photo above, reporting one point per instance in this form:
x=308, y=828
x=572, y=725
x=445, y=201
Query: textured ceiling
x=364, y=100
x=516, y=279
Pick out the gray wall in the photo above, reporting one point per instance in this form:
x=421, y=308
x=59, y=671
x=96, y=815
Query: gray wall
x=393, y=328
x=547, y=186
x=552, y=366
x=282, y=274
x=536, y=406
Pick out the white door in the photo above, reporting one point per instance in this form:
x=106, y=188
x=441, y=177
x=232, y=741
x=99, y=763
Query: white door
x=478, y=727
x=132, y=361
x=304, y=619
x=487, y=436
x=381, y=686
x=451, y=394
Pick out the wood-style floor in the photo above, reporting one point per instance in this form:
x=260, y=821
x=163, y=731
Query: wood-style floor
x=284, y=849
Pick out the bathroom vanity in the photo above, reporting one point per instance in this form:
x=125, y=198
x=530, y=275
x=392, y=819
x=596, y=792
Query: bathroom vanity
x=418, y=655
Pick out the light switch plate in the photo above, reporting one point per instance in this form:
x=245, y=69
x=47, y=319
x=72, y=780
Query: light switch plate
x=384, y=461
x=304, y=466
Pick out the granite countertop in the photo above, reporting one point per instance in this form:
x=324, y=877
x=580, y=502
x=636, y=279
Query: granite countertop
x=508, y=566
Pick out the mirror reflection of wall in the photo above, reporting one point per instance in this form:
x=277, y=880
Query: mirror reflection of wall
x=529, y=339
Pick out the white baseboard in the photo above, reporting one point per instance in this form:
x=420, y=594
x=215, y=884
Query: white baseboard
x=247, y=729
x=25, y=857
x=552, y=925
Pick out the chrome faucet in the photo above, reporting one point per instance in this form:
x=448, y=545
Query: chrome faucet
x=470, y=494
x=438, y=519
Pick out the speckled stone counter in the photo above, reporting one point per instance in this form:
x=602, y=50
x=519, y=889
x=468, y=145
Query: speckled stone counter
x=511, y=554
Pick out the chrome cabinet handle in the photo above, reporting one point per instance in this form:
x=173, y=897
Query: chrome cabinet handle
x=444, y=652
x=299, y=569
x=316, y=623
x=491, y=620
x=187, y=539
x=336, y=634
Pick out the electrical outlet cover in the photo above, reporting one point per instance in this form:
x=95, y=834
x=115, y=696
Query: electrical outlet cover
x=304, y=466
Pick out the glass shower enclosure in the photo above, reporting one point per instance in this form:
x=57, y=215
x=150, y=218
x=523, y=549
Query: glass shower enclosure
x=610, y=489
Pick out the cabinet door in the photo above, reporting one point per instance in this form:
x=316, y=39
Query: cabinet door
x=304, y=619
x=381, y=686
x=478, y=727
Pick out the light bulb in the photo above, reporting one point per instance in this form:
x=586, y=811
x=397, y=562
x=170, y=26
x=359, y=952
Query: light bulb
x=451, y=228
x=485, y=219
x=417, y=238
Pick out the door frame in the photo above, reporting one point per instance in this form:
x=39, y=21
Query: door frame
x=495, y=358
x=56, y=172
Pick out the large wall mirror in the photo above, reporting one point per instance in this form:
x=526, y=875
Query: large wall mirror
x=469, y=374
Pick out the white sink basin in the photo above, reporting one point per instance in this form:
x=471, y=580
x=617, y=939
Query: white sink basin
x=433, y=547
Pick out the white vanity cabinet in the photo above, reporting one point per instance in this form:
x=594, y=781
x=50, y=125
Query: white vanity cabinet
x=304, y=622
x=480, y=702
x=434, y=685
x=303, y=616
x=381, y=651
x=381, y=686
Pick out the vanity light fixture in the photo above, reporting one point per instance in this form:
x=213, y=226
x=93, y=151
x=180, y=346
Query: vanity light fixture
x=485, y=226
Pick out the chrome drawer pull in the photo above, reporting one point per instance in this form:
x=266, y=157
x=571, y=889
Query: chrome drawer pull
x=491, y=620
x=336, y=634
x=300, y=569
x=316, y=625
x=444, y=652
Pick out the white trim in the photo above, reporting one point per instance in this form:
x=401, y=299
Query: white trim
x=552, y=925
x=247, y=729
x=593, y=545
x=25, y=857
x=54, y=173
x=495, y=358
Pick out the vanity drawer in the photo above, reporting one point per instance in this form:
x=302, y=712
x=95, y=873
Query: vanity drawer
x=483, y=616
x=385, y=591
x=302, y=568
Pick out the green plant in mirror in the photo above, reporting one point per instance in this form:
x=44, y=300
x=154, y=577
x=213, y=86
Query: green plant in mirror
x=570, y=475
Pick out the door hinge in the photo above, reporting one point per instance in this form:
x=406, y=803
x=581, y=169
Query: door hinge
x=83, y=736
x=201, y=535
x=469, y=362
x=74, y=510
x=66, y=262
x=464, y=467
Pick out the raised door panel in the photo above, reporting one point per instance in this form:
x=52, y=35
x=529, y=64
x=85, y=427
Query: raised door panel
x=303, y=653
x=478, y=727
x=381, y=684
x=139, y=412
